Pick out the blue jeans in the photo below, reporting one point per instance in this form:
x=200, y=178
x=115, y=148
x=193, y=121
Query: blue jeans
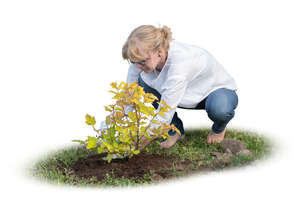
x=219, y=105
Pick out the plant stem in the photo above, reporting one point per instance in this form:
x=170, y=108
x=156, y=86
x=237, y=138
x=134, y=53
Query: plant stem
x=138, y=127
x=147, y=127
x=96, y=130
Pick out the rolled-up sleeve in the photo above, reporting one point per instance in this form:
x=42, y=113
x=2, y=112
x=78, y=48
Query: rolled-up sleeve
x=133, y=74
x=173, y=91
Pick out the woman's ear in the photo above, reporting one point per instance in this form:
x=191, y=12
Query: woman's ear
x=160, y=52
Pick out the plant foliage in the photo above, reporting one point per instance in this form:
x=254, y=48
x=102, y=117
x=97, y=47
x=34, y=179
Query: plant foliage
x=126, y=133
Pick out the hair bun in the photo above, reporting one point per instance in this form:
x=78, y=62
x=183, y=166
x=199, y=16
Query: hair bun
x=148, y=38
x=166, y=33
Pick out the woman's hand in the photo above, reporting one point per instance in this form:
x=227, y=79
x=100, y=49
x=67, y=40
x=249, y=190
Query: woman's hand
x=143, y=142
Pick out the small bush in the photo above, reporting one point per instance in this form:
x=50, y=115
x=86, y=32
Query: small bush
x=126, y=133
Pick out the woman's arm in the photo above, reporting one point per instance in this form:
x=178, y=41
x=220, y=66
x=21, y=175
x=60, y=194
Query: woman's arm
x=133, y=74
x=173, y=91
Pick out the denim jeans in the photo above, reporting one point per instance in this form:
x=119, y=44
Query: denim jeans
x=219, y=105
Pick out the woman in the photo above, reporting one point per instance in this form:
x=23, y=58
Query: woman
x=185, y=76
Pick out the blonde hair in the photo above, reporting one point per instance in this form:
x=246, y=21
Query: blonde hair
x=147, y=38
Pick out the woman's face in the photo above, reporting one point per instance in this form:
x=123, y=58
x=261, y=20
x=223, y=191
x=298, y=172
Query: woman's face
x=153, y=61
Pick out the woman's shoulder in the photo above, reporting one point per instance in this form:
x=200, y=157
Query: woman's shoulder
x=187, y=55
x=178, y=45
x=184, y=52
x=187, y=59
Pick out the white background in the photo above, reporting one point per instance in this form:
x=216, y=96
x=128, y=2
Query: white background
x=58, y=57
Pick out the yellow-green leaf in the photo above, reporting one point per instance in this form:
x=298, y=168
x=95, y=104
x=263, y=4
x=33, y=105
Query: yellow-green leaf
x=92, y=142
x=107, y=109
x=114, y=85
x=108, y=146
x=90, y=120
x=113, y=92
x=80, y=141
x=109, y=157
x=132, y=116
x=155, y=121
x=107, y=120
x=162, y=114
x=117, y=96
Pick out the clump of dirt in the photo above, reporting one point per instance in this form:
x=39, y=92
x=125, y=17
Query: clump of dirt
x=230, y=147
x=233, y=146
x=133, y=168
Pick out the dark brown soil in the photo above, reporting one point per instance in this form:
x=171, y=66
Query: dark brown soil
x=134, y=168
x=158, y=166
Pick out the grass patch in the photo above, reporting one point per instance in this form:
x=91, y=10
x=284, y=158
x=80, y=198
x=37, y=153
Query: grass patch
x=194, y=154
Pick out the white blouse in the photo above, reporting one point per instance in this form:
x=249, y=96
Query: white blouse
x=189, y=75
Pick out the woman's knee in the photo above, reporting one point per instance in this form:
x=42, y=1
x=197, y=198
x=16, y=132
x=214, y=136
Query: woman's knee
x=220, y=105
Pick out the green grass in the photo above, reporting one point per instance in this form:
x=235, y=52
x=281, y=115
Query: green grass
x=54, y=168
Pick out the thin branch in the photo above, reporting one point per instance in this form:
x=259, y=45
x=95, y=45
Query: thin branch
x=138, y=126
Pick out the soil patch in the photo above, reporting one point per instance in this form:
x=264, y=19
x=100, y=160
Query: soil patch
x=158, y=166
x=133, y=168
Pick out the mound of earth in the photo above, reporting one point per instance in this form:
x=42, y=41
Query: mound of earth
x=234, y=146
x=133, y=168
x=160, y=166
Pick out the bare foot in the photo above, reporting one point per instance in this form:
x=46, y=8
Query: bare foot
x=172, y=141
x=215, y=138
